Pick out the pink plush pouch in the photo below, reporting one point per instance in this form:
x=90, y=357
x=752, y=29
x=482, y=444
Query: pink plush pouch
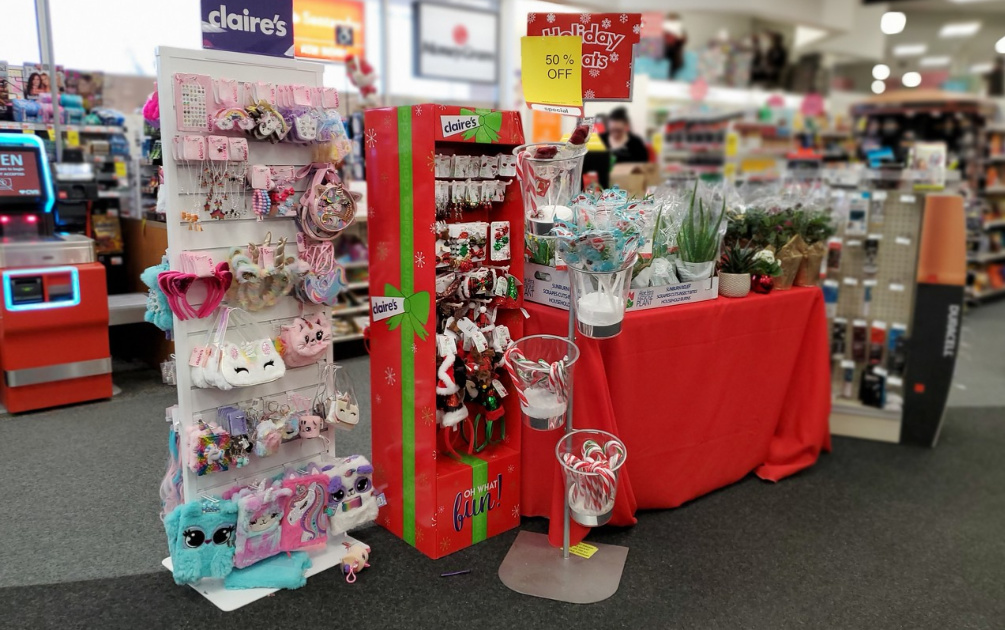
x=260, y=523
x=305, y=523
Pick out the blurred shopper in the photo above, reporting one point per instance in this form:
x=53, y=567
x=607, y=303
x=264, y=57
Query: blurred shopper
x=624, y=145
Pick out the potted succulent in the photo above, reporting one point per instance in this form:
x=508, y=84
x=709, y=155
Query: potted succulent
x=764, y=271
x=698, y=241
x=735, y=267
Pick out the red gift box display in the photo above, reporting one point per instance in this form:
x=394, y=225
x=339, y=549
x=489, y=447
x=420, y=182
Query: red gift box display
x=440, y=499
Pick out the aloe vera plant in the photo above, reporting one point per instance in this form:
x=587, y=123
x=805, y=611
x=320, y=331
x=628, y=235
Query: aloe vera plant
x=737, y=259
x=698, y=239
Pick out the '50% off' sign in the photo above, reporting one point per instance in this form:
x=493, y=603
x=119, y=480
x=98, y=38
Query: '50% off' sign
x=552, y=73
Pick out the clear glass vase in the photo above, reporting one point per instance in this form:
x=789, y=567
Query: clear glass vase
x=591, y=461
x=540, y=368
x=547, y=186
x=599, y=299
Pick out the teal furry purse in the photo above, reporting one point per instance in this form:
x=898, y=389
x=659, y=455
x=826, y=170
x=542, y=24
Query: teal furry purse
x=201, y=540
x=283, y=571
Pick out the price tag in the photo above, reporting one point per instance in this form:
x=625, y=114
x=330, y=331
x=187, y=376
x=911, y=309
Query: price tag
x=895, y=381
x=583, y=550
x=729, y=169
x=907, y=199
x=50, y=131
x=852, y=282
x=732, y=143
x=879, y=195
x=552, y=73
x=896, y=286
x=72, y=138
x=120, y=169
x=903, y=240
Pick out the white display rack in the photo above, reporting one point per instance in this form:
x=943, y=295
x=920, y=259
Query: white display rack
x=217, y=238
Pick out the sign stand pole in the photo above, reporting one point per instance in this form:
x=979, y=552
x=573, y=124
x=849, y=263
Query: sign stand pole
x=533, y=567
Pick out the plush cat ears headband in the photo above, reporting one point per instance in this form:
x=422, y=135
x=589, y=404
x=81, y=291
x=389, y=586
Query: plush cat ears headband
x=176, y=284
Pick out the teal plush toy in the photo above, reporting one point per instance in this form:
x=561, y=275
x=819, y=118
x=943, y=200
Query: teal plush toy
x=201, y=540
x=158, y=310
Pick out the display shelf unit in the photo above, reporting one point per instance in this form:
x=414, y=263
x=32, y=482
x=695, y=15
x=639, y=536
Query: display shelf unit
x=886, y=387
x=216, y=238
x=91, y=129
x=437, y=502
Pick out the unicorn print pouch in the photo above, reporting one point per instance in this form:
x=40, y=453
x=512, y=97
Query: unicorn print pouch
x=305, y=523
x=259, y=522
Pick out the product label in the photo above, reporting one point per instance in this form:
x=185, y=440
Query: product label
x=453, y=125
x=386, y=307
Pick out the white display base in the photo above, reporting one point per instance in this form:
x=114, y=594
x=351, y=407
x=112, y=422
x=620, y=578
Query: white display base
x=533, y=567
x=867, y=423
x=228, y=600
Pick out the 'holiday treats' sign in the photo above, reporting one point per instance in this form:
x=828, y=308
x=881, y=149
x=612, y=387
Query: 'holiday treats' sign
x=608, y=47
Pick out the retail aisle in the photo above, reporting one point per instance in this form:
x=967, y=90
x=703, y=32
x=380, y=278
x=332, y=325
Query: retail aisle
x=875, y=535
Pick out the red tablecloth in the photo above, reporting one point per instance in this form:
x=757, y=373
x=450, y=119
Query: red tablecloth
x=701, y=394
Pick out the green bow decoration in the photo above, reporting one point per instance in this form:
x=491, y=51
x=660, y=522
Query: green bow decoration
x=415, y=315
x=489, y=125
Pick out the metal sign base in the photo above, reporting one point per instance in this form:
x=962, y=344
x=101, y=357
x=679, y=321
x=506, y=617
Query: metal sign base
x=533, y=567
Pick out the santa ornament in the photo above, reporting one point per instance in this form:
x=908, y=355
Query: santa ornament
x=362, y=75
x=450, y=406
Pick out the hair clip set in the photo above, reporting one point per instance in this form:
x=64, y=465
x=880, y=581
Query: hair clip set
x=175, y=285
x=263, y=274
x=210, y=448
x=236, y=421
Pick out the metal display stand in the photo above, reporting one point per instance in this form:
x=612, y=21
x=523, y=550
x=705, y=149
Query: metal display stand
x=217, y=237
x=533, y=567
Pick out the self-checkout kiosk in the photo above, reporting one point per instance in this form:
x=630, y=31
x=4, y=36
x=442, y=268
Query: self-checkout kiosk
x=54, y=312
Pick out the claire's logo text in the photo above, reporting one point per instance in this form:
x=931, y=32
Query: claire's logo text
x=481, y=499
x=453, y=125
x=244, y=21
x=385, y=307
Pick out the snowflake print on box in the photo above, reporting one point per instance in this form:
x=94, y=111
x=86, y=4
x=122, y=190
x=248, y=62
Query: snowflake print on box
x=371, y=138
x=420, y=260
x=389, y=377
x=608, y=41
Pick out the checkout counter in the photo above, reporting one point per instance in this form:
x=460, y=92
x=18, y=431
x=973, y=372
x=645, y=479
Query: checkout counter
x=54, y=314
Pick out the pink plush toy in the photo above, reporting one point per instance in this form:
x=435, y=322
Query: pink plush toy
x=362, y=75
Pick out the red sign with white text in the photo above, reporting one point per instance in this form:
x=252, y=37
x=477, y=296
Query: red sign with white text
x=608, y=47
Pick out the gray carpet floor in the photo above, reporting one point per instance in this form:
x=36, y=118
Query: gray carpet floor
x=875, y=535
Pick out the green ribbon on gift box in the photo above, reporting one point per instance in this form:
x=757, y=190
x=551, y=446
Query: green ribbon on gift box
x=408, y=320
x=415, y=315
x=489, y=125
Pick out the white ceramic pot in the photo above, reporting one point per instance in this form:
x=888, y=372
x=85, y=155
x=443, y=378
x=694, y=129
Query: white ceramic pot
x=734, y=285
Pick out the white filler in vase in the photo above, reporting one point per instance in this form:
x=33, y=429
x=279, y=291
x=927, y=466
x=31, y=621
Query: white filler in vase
x=542, y=403
x=600, y=309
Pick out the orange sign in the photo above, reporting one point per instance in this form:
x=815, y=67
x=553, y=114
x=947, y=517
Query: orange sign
x=327, y=29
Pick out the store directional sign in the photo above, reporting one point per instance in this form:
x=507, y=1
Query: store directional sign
x=552, y=74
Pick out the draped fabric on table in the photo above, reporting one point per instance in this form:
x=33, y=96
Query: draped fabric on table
x=701, y=394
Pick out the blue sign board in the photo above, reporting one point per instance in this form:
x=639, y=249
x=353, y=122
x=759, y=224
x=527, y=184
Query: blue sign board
x=260, y=27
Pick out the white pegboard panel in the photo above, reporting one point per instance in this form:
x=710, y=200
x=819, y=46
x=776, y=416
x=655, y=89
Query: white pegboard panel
x=896, y=217
x=218, y=237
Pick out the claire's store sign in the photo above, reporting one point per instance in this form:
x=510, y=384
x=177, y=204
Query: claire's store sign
x=261, y=27
x=455, y=42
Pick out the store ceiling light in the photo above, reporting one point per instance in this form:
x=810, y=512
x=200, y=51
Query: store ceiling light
x=959, y=29
x=1000, y=46
x=892, y=22
x=932, y=62
x=967, y=1
x=878, y=87
x=881, y=72
x=911, y=79
x=909, y=50
x=982, y=68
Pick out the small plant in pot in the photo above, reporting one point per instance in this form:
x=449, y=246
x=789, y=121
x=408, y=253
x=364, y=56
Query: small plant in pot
x=698, y=241
x=764, y=271
x=735, y=267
